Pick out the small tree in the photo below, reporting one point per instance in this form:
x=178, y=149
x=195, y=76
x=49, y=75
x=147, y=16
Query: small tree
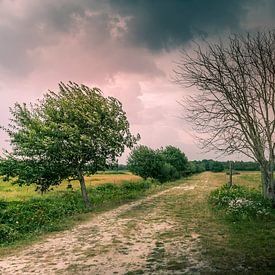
x=68, y=134
x=176, y=158
x=145, y=162
x=235, y=108
x=167, y=172
x=195, y=166
x=162, y=164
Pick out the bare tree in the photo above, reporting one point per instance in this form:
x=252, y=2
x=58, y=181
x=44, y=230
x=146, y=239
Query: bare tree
x=234, y=109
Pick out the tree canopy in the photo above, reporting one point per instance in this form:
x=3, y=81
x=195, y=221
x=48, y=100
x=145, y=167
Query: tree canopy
x=70, y=133
x=175, y=157
x=144, y=161
x=164, y=164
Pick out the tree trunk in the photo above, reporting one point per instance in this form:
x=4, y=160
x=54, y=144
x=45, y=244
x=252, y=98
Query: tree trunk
x=85, y=196
x=268, y=184
x=230, y=174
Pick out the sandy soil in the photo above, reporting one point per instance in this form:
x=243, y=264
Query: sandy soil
x=113, y=242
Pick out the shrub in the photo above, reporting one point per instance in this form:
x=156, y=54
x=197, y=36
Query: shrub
x=38, y=214
x=7, y=233
x=240, y=203
x=177, y=160
x=107, y=187
x=167, y=173
x=164, y=164
x=144, y=162
x=137, y=186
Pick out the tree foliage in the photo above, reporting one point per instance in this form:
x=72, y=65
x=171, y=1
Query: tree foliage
x=176, y=158
x=72, y=133
x=42, y=173
x=144, y=161
x=234, y=110
x=164, y=164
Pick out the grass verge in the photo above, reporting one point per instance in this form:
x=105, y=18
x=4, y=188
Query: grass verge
x=21, y=222
x=204, y=239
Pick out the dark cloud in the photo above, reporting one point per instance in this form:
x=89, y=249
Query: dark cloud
x=26, y=26
x=118, y=45
x=159, y=24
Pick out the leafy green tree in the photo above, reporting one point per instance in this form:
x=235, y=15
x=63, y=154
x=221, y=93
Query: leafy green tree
x=195, y=166
x=68, y=134
x=144, y=162
x=246, y=166
x=191, y=169
x=8, y=168
x=43, y=173
x=162, y=164
x=167, y=172
x=176, y=158
x=213, y=165
x=217, y=166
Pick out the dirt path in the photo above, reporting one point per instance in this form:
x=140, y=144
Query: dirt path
x=136, y=238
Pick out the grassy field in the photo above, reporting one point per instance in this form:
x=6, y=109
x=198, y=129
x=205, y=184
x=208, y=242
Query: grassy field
x=9, y=192
x=26, y=215
x=203, y=240
x=194, y=236
x=248, y=179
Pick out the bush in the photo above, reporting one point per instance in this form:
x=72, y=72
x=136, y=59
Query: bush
x=7, y=233
x=136, y=186
x=240, y=203
x=176, y=159
x=165, y=164
x=107, y=187
x=168, y=173
x=38, y=214
x=144, y=162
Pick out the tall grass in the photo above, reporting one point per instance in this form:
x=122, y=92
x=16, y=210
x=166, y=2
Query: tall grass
x=13, y=192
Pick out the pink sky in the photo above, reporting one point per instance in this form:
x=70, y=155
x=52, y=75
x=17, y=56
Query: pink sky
x=126, y=51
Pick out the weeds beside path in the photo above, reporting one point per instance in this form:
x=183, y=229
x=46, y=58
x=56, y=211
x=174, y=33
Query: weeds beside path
x=173, y=231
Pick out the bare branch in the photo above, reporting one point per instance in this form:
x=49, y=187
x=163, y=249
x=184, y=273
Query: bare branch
x=234, y=110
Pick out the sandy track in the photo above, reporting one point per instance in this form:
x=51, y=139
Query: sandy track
x=109, y=243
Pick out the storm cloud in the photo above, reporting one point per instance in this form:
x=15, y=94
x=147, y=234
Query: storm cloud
x=156, y=25
x=125, y=47
x=162, y=24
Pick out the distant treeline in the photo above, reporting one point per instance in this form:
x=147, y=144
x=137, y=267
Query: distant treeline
x=197, y=166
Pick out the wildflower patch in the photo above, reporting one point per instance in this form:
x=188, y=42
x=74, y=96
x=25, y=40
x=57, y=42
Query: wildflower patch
x=240, y=203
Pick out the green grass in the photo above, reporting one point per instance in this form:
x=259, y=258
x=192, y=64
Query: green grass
x=115, y=172
x=26, y=219
x=200, y=233
x=228, y=246
x=251, y=180
x=247, y=242
x=203, y=234
x=12, y=192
